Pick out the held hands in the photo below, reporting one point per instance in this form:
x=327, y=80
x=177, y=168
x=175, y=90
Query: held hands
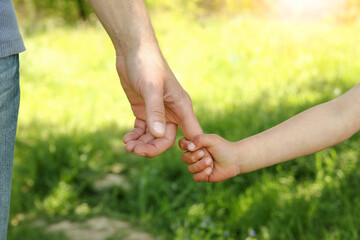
x=224, y=164
x=158, y=102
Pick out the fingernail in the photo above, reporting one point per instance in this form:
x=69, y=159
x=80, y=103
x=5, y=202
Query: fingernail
x=201, y=153
x=191, y=147
x=159, y=128
x=208, y=161
x=208, y=171
x=141, y=154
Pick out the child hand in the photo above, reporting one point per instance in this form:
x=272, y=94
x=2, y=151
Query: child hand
x=224, y=164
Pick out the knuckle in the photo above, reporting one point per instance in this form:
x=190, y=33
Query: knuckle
x=184, y=158
x=203, y=163
x=207, y=154
x=154, y=84
x=149, y=87
x=138, y=131
x=201, y=137
x=187, y=98
x=197, y=140
x=193, y=168
x=157, y=110
x=183, y=97
x=196, y=178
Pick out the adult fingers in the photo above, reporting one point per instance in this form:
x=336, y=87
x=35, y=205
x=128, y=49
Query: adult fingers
x=145, y=138
x=192, y=157
x=157, y=145
x=155, y=110
x=139, y=130
x=200, y=165
x=130, y=146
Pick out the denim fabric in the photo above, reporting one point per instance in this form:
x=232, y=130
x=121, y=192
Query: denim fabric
x=9, y=107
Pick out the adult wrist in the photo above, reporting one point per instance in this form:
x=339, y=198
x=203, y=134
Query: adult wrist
x=130, y=45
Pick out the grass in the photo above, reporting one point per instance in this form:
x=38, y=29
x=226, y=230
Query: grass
x=244, y=75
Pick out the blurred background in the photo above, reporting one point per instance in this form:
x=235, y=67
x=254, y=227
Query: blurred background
x=247, y=64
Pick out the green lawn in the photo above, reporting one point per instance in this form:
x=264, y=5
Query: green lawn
x=244, y=75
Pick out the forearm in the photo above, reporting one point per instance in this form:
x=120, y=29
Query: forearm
x=310, y=131
x=127, y=22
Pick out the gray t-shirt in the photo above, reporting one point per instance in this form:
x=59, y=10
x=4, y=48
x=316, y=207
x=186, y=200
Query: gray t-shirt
x=10, y=38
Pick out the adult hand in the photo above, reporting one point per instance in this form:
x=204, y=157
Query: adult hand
x=158, y=102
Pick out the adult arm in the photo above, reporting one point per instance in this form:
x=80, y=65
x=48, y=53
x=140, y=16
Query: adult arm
x=158, y=101
x=127, y=22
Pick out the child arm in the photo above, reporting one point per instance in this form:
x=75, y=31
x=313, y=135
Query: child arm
x=313, y=130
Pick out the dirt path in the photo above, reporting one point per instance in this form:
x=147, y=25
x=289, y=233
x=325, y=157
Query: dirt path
x=99, y=228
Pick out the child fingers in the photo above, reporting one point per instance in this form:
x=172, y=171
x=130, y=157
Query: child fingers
x=203, y=176
x=188, y=145
x=183, y=143
x=186, y=158
x=202, y=140
x=200, y=165
x=192, y=157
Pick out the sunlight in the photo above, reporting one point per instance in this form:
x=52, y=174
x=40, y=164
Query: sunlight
x=308, y=9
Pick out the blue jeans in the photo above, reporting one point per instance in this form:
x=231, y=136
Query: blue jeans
x=9, y=108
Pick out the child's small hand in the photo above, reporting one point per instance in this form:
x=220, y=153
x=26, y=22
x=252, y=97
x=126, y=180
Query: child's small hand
x=223, y=165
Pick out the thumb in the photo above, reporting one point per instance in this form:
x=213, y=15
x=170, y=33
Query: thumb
x=155, y=111
x=202, y=140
